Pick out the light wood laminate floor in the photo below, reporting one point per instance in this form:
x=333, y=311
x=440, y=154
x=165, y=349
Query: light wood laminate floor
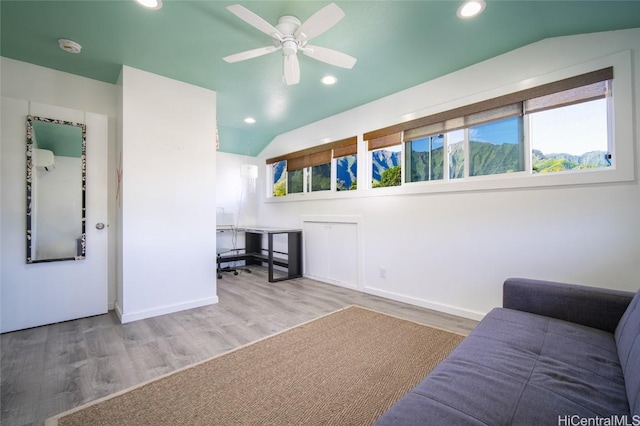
x=51, y=369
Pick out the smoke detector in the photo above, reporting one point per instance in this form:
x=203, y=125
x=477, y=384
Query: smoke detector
x=69, y=45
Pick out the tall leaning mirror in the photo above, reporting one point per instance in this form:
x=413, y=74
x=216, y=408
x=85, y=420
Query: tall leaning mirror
x=56, y=187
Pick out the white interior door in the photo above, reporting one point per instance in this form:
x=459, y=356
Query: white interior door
x=44, y=293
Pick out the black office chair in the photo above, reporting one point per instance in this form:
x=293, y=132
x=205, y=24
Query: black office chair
x=233, y=269
x=220, y=269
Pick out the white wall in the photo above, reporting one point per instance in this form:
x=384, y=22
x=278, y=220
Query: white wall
x=37, y=294
x=451, y=251
x=168, y=196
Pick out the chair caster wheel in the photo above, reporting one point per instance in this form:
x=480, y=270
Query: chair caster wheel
x=219, y=276
x=235, y=272
x=249, y=270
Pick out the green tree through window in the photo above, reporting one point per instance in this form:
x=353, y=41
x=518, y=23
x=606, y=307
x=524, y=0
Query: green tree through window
x=390, y=177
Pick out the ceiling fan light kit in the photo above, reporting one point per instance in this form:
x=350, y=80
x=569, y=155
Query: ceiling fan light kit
x=291, y=35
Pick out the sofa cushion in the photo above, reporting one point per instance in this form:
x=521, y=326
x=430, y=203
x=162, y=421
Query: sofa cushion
x=627, y=336
x=519, y=368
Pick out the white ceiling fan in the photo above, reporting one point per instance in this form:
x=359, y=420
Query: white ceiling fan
x=290, y=35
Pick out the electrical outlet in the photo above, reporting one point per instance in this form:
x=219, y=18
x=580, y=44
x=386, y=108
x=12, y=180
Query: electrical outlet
x=383, y=272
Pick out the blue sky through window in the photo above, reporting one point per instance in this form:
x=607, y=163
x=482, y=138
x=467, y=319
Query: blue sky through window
x=497, y=132
x=279, y=169
x=574, y=129
x=422, y=145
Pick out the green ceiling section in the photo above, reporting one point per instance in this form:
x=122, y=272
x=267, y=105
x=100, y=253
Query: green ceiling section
x=398, y=44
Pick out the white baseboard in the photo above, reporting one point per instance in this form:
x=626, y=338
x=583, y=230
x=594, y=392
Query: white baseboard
x=118, y=310
x=453, y=310
x=148, y=313
x=336, y=283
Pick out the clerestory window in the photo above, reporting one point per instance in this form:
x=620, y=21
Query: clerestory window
x=312, y=170
x=558, y=127
x=561, y=127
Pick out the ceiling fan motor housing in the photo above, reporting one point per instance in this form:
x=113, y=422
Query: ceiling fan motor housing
x=287, y=25
x=289, y=47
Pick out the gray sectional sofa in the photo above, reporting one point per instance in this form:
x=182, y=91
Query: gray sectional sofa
x=555, y=354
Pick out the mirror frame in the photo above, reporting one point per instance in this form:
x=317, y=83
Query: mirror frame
x=30, y=167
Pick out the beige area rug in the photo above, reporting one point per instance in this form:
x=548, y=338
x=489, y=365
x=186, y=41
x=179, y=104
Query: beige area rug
x=345, y=368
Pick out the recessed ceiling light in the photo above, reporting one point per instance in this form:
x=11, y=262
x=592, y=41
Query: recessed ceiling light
x=471, y=8
x=329, y=80
x=150, y=4
x=249, y=120
x=69, y=45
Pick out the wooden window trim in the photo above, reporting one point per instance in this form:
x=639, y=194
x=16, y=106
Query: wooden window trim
x=385, y=141
x=472, y=120
x=309, y=160
x=598, y=90
x=343, y=151
x=317, y=153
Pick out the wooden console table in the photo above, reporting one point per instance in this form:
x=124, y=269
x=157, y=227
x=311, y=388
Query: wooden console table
x=254, y=254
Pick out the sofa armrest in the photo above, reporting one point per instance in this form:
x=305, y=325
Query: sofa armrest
x=590, y=306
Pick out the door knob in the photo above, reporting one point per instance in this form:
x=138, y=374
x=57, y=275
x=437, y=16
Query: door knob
x=99, y=225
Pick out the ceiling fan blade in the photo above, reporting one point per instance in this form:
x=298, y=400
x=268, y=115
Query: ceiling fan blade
x=319, y=22
x=330, y=56
x=291, y=70
x=254, y=20
x=249, y=54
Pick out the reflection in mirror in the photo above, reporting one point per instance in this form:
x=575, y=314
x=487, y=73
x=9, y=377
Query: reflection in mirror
x=56, y=186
